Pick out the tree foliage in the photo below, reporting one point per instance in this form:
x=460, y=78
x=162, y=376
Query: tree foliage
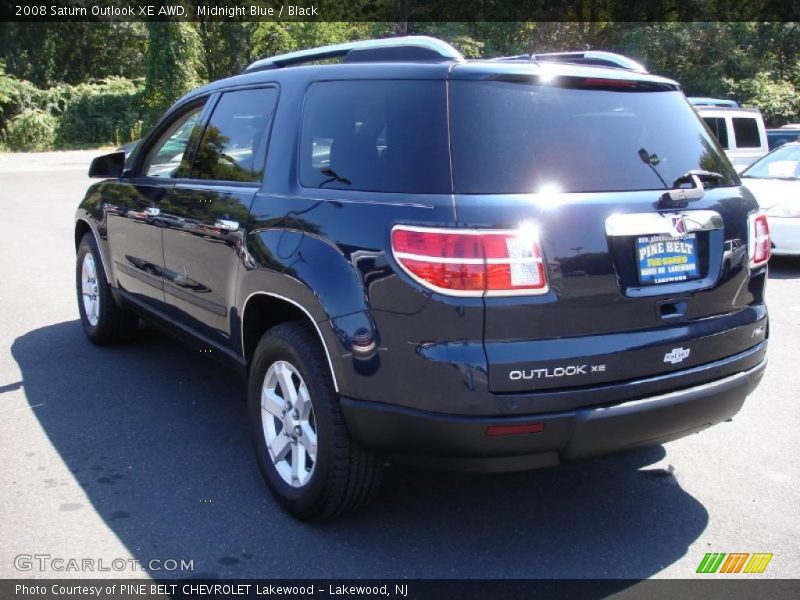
x=96, y=114
x=88, y=114
x=32, y=130
x=46, y=64
x=172, y=64
x=224, y=50
x=777, y=98
x=72, y=52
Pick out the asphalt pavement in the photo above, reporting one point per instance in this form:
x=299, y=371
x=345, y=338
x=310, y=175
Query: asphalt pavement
x=141, y=453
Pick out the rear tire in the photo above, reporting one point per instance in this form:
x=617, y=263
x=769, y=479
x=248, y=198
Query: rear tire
x=308, y=460
x=104, y=321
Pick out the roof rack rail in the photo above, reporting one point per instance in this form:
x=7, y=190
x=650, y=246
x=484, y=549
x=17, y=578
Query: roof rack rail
x=411, y=48
x=588, y=57
x=717, y=102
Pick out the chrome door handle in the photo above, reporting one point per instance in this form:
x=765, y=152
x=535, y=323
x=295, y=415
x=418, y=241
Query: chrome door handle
x=227, y=225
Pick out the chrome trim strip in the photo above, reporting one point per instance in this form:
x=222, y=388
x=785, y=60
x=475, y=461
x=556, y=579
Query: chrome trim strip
x=308, y=314
x=468, y=261
x=629, y=224
x=439, y=259
x=716, y=384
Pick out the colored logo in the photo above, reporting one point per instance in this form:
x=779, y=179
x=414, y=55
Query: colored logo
x=678, y=225
x=734, y=562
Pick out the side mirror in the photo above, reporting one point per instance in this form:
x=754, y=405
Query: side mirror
x=108, y=166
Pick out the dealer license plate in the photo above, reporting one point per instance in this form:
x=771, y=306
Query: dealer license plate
x=667, y=259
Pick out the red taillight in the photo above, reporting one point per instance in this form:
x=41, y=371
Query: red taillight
x=760, y=242
x=472, y=262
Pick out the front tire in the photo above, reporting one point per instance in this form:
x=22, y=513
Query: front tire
x=104, y=322
x=308, y=460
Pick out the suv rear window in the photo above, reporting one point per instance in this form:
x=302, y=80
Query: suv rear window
x=719, y=129
x=746, y=132
x=376, y=136
x=521, y=137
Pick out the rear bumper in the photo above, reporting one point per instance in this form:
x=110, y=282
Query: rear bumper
x=460, y=442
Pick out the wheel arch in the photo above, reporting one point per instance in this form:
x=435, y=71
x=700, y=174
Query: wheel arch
x=84, y=226
x=262, y=310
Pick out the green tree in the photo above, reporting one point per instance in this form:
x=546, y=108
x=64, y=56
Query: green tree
x=271, y=38
x=308, y=34
x=5, y=85
x=225, y=48
x=778, y=99
x=171, y=65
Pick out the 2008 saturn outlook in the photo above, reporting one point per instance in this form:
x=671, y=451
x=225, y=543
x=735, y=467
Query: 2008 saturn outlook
x=487, y=265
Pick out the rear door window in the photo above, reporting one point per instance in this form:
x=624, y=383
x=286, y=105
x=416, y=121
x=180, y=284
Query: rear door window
x=745, y=130
x=524, y=137
x=719, y=129
x=378, y=136
x=233, y=146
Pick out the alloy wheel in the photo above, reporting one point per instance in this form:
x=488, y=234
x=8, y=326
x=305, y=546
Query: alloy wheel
x=287, y=417
x=90, y=291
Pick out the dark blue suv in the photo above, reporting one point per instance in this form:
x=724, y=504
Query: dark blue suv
x=487, y=265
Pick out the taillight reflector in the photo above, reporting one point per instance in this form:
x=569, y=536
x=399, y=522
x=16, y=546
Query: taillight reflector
x=760, y=242
x=495, y=430
x=472, y=262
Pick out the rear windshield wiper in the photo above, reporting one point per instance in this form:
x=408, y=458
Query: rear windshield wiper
x=652, y=160
x=700, y=174
x=675, y=191
x=679, y=196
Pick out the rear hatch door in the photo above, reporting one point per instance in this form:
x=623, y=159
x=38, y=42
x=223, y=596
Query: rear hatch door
x=642, y=281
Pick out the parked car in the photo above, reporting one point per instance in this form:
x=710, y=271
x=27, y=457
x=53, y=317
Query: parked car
x=740, y=131
x=782, y=135
x=775, y=182
x=481, y=265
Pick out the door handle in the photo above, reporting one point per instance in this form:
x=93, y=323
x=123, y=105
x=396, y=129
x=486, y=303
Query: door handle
x=227, y=224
